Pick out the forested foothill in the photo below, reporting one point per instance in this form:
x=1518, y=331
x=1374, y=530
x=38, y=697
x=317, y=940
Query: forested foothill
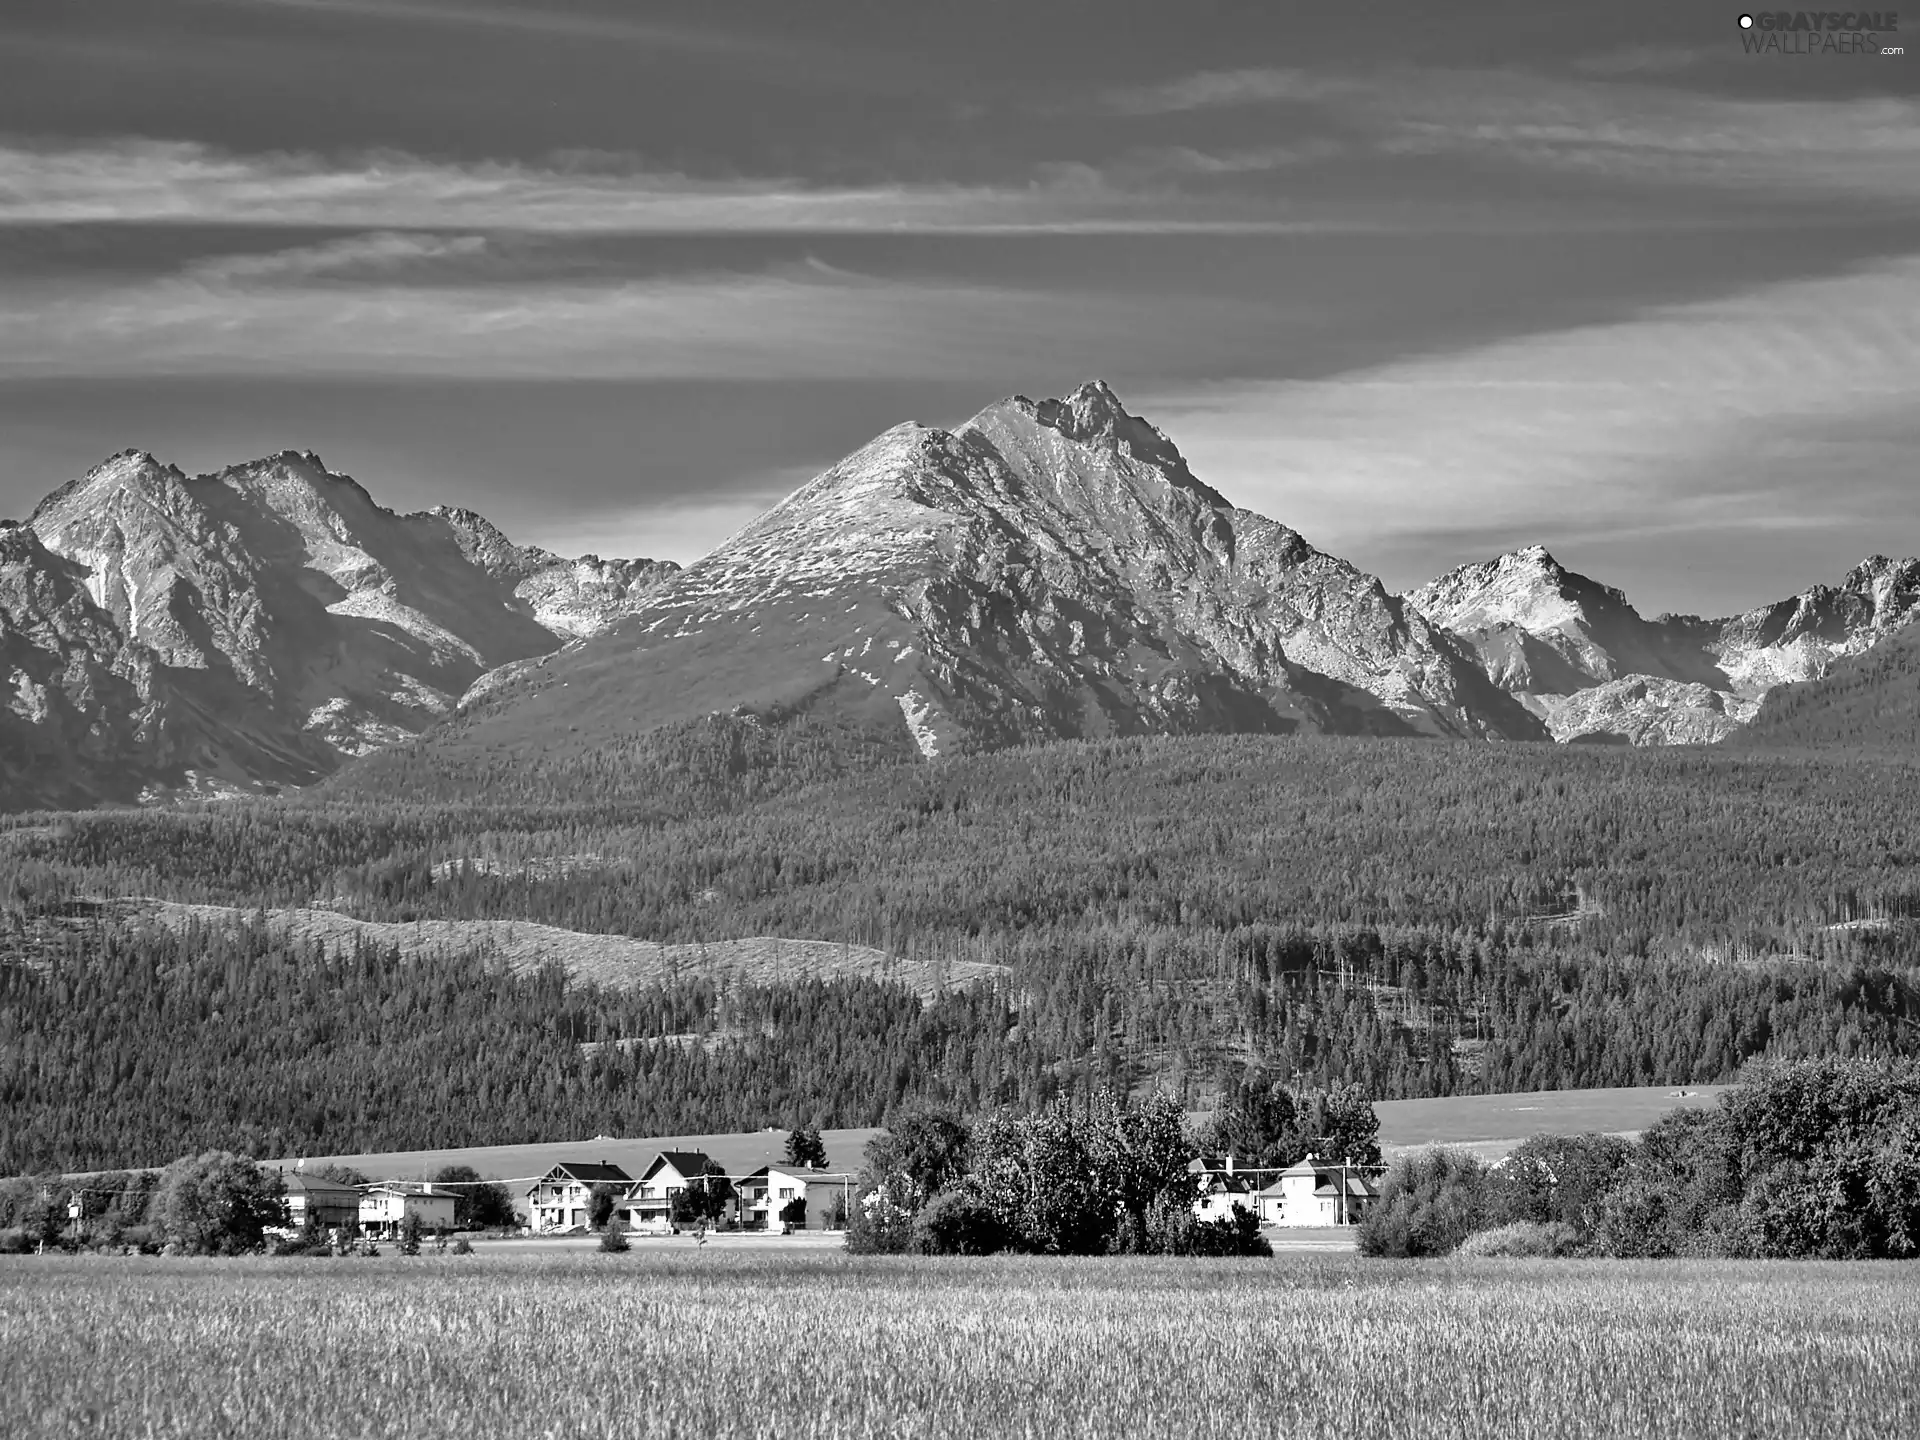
x=1416, y=918
x=1817, y=1159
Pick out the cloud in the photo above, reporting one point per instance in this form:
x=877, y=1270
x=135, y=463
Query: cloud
x=1866, y=147
x=354, y=257
x=1217, y=89
x=1786, y=407
x=541, y=20
x=354, y=307
x=1643, y=60
x=149, y=182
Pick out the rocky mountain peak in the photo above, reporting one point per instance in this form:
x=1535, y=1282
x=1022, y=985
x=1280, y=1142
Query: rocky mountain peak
x=259, y=625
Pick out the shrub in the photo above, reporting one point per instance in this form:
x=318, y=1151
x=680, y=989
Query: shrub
x=882, y=1219
x=410, y=1234
x=1173, y=1229
x=13, y=1241
x=794, y=1212
x=956, y=1222
x=1563, y=1178
x=1428, y=1204
x=218, y=1203
x=613, y=1239
x=1522, y=1238
x=463, y=1246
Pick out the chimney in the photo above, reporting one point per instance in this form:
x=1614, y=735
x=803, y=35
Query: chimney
x=1229, y=1162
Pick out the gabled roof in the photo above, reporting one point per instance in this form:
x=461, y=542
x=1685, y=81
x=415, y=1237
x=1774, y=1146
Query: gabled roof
x=1218, y=1182
x=798, y=1172
x=688, y=1164
x=317, y=1188
x=587, y=1173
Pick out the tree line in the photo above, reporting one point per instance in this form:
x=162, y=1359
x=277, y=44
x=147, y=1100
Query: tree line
x=1809, y=1159
x=122, y=1042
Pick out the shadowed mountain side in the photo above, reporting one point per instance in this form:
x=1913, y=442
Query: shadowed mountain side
x=1868, y=702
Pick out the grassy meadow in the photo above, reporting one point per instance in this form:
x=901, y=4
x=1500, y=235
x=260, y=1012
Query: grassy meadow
x=700, y=1342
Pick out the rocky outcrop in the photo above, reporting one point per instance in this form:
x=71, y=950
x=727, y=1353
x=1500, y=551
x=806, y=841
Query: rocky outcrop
x=1049, y=569
x=1577, y=654
x=255, y=628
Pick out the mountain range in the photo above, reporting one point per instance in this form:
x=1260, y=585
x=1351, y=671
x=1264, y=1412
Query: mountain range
x=1050, y=569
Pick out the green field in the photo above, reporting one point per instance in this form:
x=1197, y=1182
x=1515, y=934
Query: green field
x=1491, y=1125
x=822, y=1344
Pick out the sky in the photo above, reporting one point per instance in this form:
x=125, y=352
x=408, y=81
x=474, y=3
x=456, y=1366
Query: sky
x=1426, y=283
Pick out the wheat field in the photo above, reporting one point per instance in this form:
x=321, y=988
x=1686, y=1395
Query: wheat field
x=709, y=1343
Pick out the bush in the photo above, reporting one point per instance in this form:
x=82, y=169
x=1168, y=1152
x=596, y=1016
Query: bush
x=13, y=1241
x=1522, y=1238
x=883, y=1215
x=463, y=1246
x=1563, y=1178
x=955, y=1222
x=794, y=1212
x=1428, y=1204
x=1173, y=1229
x=410, y=1234
x=217, y=1203
x=613, y=1239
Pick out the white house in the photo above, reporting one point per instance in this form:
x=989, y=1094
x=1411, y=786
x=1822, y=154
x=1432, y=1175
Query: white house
x=771, y=1188
x=648, y=1203
x=562, y=1199
x=1221, y=1190
x=1318, y=1192
x=384, y=1207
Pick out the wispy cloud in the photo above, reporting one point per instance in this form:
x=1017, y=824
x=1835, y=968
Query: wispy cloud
x=1217, y=89
x=1781, y=407
x=1868, y=147
x=542, y=19
x=353, y=257
x=293, y=314
x=156, y=182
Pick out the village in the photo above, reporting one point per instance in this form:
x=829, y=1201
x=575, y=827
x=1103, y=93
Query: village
x=685, y=1190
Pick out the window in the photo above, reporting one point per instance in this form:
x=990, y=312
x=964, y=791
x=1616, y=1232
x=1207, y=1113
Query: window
x=786, y=1192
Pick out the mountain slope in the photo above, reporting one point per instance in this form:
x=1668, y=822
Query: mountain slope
x=1577, y=654
x=255, y=627
x=1867, y=702
x=1049, y=569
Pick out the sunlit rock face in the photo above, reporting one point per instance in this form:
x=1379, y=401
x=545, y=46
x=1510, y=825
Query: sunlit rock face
x=1577, y=654
x=1049, y=569
x=251, y=629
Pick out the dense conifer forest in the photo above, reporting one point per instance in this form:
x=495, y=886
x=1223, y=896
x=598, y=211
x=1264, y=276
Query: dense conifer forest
x=1417, y=918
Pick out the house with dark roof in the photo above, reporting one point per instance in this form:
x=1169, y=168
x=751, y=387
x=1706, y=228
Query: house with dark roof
x=331, y=1204
x=1319, y=1192
x=648, y=1203
x=562, y=1199
x=1220, y=1188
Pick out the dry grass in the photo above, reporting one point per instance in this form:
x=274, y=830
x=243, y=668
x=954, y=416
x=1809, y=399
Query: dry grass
x=614, y=960
x=825, y=1345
